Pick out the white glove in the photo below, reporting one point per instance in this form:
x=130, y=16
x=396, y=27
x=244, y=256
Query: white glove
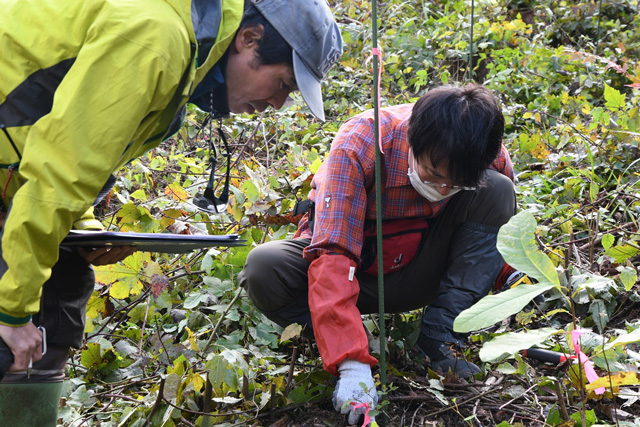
x=355, y=384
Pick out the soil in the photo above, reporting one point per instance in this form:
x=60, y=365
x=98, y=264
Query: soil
x=517, y=399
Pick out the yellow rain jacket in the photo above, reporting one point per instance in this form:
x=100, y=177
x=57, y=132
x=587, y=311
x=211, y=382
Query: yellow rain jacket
x=85, y=87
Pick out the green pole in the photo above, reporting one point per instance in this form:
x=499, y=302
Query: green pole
x=598, y=31
x=378, y=177
x=471, y=43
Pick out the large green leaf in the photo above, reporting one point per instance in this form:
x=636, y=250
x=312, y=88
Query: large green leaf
x=513, y=342
x=614, y=99
x=517, y=244
x=624, y=339
x=494, y=308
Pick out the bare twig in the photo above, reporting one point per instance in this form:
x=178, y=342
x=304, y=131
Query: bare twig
x=144, y=324
x=157, y=403
x=563, y=406
x=222, y=317
x=294, y=355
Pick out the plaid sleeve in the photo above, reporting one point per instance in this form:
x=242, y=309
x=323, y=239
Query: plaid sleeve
x=340, y=208
x=341, y=197
x=503, y=164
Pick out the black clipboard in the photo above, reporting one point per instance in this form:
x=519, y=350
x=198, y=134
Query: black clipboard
x=151, y=242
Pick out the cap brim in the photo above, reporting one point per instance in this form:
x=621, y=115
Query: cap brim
x=309, y=87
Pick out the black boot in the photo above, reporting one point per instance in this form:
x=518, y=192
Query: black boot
x=445, y=357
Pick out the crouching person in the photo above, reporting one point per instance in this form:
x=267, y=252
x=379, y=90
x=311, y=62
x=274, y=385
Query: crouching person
x=447, y=189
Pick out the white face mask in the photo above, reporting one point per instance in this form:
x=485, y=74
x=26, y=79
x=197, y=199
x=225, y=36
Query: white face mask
x=427, y=191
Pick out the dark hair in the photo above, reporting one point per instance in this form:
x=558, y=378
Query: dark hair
x=463, y=125
x=272, y=48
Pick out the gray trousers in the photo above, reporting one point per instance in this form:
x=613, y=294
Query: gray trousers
x=455, y=266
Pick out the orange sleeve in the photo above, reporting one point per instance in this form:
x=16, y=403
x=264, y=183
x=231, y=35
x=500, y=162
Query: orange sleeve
x=336, y=319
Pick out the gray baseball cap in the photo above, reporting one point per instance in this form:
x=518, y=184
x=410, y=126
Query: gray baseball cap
x=310, y=29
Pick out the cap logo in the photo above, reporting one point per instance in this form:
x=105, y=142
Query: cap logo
x=329, y=60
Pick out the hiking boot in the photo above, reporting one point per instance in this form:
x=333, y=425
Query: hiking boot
x=445, y=357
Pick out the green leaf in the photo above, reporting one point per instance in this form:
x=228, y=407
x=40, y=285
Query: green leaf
x=193, y=300
x=91, y=356
x=251, y=191
x=171, y=386
x=313, y=167
x=517, y=244
x=140, y=312
x=607, y=241
x=139, y=195
x=96, y=305
x=590, y=418
x=494, y=308
x=629, y=277
x=593, y=190
x=506, y=368
x=621, y=253
x=221, y=373
x=108, y=274
x=152, y=268
x=624, y=339
x=514, y=342
x=614, y=99
x=121, y=289
x=128, y=213
x=599, y=314
x=238, y=256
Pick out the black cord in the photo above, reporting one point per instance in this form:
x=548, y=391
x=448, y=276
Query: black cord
x=224, y=196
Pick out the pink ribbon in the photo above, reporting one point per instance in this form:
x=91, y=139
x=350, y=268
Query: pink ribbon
x=376, y=52
x=582, y=358
x=367, y=418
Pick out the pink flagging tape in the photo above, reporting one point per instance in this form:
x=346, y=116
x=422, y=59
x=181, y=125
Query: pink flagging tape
x=367, y=418
x=376, y=52
x=582, y=358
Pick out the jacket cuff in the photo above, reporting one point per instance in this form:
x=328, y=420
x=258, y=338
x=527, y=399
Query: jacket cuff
x=88, y=222
x=8, y=320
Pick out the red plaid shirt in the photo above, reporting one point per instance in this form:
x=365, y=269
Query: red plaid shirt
x=344, y=186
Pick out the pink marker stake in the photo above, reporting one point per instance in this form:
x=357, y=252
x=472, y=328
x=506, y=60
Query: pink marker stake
x=582, y=358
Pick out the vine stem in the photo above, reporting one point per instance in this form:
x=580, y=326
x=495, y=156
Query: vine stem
x=222, y=317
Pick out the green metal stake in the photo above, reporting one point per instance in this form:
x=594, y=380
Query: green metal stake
x=598, y=32
x=471, y=43
x=378, y=177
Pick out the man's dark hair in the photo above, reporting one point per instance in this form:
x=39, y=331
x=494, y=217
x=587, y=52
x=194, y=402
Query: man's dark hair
x=463, y=125
x=272, y=48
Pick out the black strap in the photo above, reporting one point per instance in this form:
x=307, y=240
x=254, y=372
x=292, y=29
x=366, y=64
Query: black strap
x=6, y=132
x=305, y=206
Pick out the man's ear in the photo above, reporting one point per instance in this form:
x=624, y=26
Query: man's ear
x=247, y=37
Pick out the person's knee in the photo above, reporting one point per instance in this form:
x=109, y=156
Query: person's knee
x=257, y=275
x=496, y=201
x=271, y=273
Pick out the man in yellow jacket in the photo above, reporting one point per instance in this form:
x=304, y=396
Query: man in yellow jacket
x=85, y=87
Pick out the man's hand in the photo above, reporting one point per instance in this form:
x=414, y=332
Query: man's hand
x=354, y=385
x=106, y=255
x=25, y=343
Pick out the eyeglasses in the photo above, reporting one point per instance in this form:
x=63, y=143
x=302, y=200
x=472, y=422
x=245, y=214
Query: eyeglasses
x=450, y=187
x=433, y=184
x=208, y=201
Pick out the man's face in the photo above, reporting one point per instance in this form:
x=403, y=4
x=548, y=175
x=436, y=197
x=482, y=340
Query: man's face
x=252, y=86
x=438, y=176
